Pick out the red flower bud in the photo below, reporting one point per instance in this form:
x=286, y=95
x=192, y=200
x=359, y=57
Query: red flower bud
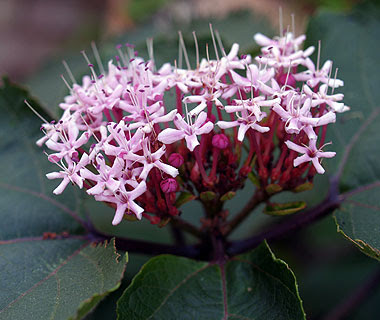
x=220, y=141
x=169, y=185
x=175, y=160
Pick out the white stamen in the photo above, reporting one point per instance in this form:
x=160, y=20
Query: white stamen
x=149, y=44
x=35, y=112
x=68, y=70
x=66, y=83
x=287, y=76
x=336, y=73
x=220, y=43
x=196, y=48
x=88, y=128
x=293, y=25
x=319, y=54
x=214, y=43
x=97, y=57
x=328, y=80
x=90, y=66
x=122, y=56
x=184, y=50
x=207, y=55
x=280, y=21
x=179, y=54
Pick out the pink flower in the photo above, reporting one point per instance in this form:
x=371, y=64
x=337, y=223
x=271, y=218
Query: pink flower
x=322, y=97
x=107, y=177
x=250, y=114
x=69, y=174
x=282, y=51
x=310, y=153
x=298, y=119
x=209, y=95
x=124, y=201
x=254, y=78
x=69, y=142
x=312, y=76
x=150, y=160
x=287, y=43
x=189, y=131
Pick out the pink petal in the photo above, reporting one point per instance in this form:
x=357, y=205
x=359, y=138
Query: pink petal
x=206, y=128
x=61, y=186
x=170, y=135
x=302, y=159
x=327, y=154
x=262, y=40
x=227, y=124
x=167, y=168
x=97, y=189
x=291, y=145
x=137, y=210
x=191, y=142
x=138, y=191
x=317, y=165
x=119, y=213
x=242, y=131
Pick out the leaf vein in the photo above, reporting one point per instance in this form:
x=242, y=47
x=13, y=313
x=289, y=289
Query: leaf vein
x=53, y=273
x=171, y=292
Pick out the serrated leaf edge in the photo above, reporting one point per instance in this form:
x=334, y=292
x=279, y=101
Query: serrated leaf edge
x=279, y=261
x=103, y=295
x=362, y=245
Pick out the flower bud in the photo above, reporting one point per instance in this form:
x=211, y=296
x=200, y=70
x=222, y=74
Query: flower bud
x=289, y=80
x=175, y=160
x=220, y=141
x=169, y=185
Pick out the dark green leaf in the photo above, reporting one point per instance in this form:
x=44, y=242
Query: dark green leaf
x=254, y=179
x=183, y=198
x=273, y=188
x=207, y=196
x=283, y=209
x=252, y=286
x=48, y=267
x=228, y=196
x=356, y=135
x=303, y=187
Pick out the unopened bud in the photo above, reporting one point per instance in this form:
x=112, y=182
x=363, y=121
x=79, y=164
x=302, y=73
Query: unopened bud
x=286, y=79
x=220, y=141
x=169, y=185
x=176, y=160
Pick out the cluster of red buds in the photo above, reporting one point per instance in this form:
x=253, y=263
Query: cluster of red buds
x=234, y=116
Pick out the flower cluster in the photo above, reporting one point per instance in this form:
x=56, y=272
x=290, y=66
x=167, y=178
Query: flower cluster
x=119, y=138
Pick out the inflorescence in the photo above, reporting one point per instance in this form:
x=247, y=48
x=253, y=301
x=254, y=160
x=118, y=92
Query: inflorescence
x=234, y=116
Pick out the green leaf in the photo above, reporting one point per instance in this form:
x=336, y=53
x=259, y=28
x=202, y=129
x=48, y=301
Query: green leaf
x=228, y=196
x=355, y=136
x=283, y=209
x=273, y=188
x=183, y=198
x=303, y=187
x=252, y=286
x=207, y=196
x=49, y=269
x=255, y=180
